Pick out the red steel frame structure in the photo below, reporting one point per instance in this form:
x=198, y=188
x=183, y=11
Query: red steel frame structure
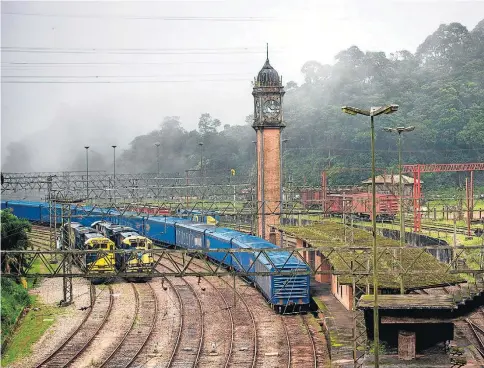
x=417, y=169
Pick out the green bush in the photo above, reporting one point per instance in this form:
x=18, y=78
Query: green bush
x=14, y=299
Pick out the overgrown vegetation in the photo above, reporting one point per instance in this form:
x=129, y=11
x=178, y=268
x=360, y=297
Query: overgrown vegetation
x=33, y=326
x=14, y=296
x=425, y=269
x=14, y=299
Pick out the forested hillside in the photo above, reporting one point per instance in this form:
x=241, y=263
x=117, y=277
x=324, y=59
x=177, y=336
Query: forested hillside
x=440, y=90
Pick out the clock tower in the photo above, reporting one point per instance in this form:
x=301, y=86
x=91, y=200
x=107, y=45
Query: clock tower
x=268, y=123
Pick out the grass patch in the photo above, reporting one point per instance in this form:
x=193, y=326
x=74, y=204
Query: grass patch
x=32, y=327
x=14, y=299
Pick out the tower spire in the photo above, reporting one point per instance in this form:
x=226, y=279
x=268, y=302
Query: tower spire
x=267, y=51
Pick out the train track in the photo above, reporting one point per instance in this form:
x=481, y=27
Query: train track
x=242, y=350
x=140, y=330
x=242, y=339
x=189, y=340
x=81, y=338
x=302, y=348
x=477, y=331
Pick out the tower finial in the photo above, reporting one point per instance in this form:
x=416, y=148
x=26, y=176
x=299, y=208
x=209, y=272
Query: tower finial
x=267, y=51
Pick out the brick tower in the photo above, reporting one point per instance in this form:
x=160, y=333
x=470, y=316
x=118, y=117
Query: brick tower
x=268, y=124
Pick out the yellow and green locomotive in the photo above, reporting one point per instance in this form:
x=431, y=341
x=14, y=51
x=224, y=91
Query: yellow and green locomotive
x=102, y=263
x=138, y=262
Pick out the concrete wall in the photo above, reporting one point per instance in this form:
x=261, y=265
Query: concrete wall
x=344, y=293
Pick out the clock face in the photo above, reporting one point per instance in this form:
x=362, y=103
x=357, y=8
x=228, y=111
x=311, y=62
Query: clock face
x=271, y=108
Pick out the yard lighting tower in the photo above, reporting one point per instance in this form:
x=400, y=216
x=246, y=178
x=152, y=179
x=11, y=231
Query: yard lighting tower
x=114, y=162
x=157, y=144
x=201, y=158
x=374, y=111
x=114, y=171
x=400, y=130
x=87, y=172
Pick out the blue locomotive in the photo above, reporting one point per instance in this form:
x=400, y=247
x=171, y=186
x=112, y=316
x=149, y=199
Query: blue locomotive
x=283, y=292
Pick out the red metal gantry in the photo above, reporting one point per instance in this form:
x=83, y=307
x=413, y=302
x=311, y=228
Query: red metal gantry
x=417, y=169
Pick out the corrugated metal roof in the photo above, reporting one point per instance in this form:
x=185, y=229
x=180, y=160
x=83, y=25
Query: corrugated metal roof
x=390, y=179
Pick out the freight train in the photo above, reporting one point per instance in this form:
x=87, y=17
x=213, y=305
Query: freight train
x=282, y=292
x=358, y=205
x=127, y=238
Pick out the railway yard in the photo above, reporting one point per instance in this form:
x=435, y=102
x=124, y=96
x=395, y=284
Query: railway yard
x=204, y=322
x=173, y=322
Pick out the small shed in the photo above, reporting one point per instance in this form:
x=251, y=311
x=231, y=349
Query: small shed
x=389, y=184
x=411, y=322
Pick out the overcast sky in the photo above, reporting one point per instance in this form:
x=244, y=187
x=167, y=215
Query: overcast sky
x=164, y=56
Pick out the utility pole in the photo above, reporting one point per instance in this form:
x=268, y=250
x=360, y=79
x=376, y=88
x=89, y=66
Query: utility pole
x=374, y=111
x=114, y=173
x=401, y=190
x=157, y=144
x=87, y=172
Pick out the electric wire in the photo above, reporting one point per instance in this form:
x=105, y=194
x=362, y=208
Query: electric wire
x=145, y=17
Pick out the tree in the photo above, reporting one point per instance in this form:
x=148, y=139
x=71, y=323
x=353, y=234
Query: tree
x=207, y=124
x=14, y=231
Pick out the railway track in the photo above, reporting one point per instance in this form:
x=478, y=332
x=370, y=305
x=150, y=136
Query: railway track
x=140, y=330
x=242, y=351
x=302, y=347
x=83, y=335
x=189, y=340
x=477, y=330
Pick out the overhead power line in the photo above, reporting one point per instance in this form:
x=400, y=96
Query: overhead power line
x=136, y=51
x=122, y=81
x=5, y=64
x=248, y=75
x=146, y=17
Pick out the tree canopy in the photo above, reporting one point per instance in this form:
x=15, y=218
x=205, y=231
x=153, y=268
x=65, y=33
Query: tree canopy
x=440, y=90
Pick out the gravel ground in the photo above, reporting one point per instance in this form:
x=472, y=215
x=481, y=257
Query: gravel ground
x=50, y=292
x=117, y=324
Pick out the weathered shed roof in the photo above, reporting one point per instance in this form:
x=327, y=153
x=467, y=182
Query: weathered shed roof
x=424, y=270
x=391, y=179
x=408, y=301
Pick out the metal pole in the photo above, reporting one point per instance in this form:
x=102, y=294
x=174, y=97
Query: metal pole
x=158, y=158
x=114, y=173
x=376, y=332
x=402, y=218
x=114, y=162
x=87, y=172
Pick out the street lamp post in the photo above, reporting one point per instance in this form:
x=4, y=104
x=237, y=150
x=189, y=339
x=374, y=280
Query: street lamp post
x=87, y=172
x=374, y=111
x=201, y=159
x=157, y=144
x=400, y=130
x=114, y=172
x=114, y=162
